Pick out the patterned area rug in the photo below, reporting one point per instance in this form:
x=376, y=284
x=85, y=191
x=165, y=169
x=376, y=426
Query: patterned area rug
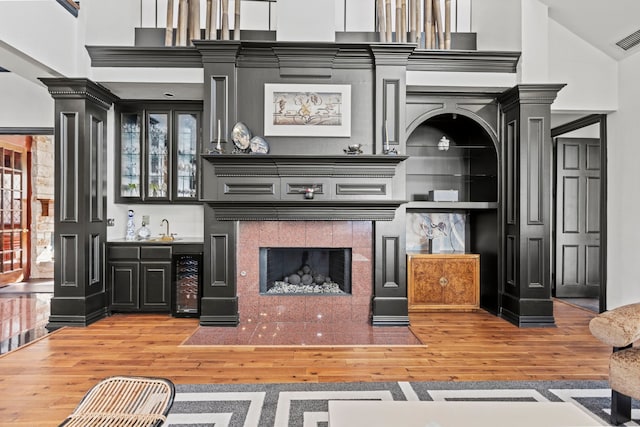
x=304, y=405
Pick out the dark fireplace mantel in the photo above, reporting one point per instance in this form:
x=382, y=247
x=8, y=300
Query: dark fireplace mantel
x=268, y=187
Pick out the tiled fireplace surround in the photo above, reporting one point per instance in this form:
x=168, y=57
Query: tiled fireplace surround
x=330, y=309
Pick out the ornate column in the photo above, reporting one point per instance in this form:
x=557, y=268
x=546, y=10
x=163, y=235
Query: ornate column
x=527, y=191
x=390, y=304
x=219, y=303
x=81, y=106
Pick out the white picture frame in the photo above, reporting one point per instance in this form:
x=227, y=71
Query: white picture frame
x=322, y=110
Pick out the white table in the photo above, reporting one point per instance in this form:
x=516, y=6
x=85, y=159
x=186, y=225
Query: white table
x=344, y=413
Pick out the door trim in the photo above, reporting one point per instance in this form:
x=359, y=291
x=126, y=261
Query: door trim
x=589, y=120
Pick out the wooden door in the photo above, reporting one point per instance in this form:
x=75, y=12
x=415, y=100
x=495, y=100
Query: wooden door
x=13, y=210
x=578, y=218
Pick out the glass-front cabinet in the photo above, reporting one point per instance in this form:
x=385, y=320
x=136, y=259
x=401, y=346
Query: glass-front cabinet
x=130, y=155
x=158, y=148
x=186, y=152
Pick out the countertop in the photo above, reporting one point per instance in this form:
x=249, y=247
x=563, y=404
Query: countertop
x=187, y=240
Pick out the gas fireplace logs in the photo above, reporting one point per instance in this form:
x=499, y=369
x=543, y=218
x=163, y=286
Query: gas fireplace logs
x=305, y=281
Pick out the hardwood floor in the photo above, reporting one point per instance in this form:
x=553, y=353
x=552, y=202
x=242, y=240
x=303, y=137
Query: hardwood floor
x=42, y=382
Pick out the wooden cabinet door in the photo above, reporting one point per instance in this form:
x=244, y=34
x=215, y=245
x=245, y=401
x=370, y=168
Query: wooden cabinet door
x=124, y=285
x=156, y=286
x=443, y=282
x=424, y=277
x=461, y=284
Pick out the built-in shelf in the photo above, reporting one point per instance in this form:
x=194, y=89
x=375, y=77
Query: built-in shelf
x=451, y=205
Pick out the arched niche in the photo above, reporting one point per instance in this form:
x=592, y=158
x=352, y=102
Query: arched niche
x=461, y=177
x=468, y=162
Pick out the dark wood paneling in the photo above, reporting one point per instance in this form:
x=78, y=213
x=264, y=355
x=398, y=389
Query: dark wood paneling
x=219, y=259
x=95, y=259
x=68, y=184
x=96, y=169
x=511, y=179
x=537, y=263
x=80, y=294
x=69, y=260
x=536, y=189
x=391, y=113
x=219, y=99
x=389, y=262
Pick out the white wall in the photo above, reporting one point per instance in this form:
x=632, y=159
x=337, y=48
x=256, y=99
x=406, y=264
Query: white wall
x=24, y=104
x=534, y=62
x=623, y=205
x=26, y=25
x=497, y=24
x=590, y=75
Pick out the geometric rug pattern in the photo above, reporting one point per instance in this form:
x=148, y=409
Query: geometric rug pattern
x=306, y=404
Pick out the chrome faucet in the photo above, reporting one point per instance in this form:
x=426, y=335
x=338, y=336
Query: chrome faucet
x=167, y=235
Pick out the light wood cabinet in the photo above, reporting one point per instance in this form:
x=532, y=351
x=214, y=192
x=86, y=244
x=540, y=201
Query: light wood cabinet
x=443, y=282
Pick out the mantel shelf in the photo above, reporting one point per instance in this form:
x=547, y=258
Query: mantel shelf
x=308, y=210
x=451, y=205
x=363, y=165
x=302, y=158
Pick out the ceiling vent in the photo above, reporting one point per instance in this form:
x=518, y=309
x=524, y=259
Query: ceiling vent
x=630, y=41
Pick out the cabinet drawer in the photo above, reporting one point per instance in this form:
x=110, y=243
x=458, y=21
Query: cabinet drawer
x=162, y=253
x=362, y=189
x=123, y=252
x=295, y=188
x=249, y=189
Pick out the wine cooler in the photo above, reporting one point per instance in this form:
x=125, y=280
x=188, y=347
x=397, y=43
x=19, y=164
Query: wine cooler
x=186, y=285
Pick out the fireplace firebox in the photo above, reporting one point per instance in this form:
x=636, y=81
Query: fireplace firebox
x=300, y=271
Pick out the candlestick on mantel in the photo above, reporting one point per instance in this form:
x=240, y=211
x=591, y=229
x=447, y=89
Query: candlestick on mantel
x=219, y=149
x=386, y=136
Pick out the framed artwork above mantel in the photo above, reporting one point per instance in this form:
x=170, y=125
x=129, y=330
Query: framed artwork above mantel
x=322, y=110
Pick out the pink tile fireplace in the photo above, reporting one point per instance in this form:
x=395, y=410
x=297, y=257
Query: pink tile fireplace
x=353, y=307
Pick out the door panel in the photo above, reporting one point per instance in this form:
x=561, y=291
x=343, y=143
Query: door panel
x=578, y=218
x=13, y=211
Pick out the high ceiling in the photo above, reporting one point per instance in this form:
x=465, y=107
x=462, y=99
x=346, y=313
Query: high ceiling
x=601, y=23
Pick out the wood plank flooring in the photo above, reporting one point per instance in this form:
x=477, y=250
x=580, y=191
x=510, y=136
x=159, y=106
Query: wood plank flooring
x=42, y=383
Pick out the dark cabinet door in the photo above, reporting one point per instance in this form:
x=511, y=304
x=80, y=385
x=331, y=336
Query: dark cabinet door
x=156, y=286
x=124, y=285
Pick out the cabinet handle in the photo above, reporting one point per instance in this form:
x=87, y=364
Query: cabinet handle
x=443, y=282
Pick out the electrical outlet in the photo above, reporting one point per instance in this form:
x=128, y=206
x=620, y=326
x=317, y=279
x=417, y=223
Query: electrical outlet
x=111, y=222
x=145, y=219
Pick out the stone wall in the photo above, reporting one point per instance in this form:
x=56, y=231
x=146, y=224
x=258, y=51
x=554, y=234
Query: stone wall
x=42, y=193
